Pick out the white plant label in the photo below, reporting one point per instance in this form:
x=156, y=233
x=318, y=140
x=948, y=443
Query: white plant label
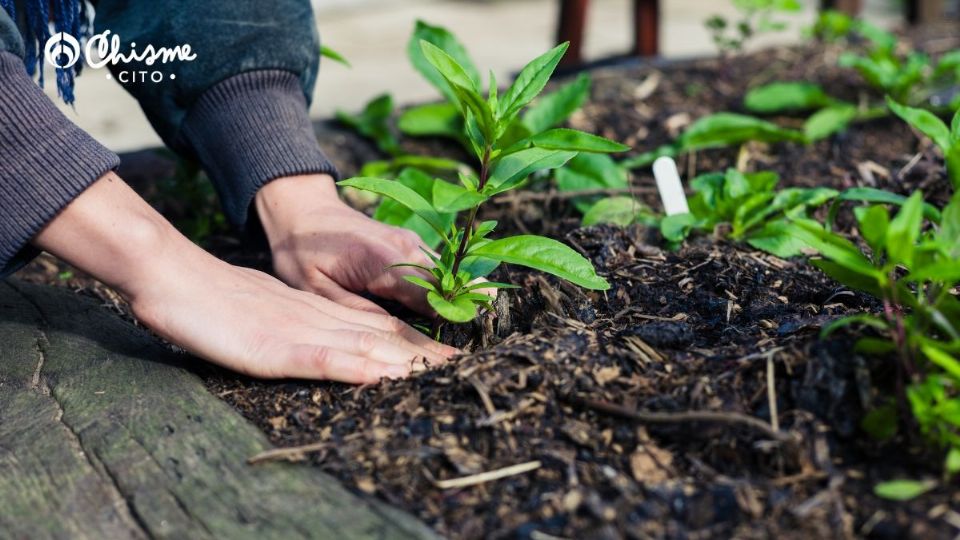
x=670, y=186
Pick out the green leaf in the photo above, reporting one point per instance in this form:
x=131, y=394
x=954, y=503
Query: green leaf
x=873, y=224
x=727, y=129
x=403, y=195
x=512, y=169
x=777, y=238
x=462, y=86
x=373, y=123
x=620, y=211
x=458, y=310
x=853, y=279
x=836, y=248
x=925, y=122
x=590, y=171
x=904, y=230
x=828, y=121
x=781, y=97
x=530, y=82
x=478, y=267
x=903, y=490
x=873, y=195
x=449, y=197
x=546, y=255
x=440, y=119
x=677, y=227
x=556, y=107
x=490, y=285
x=950, y=227
x=843, y=322
x=946, y=362
x=327, y=52
x=955, y=124
x=392, y=212
x=420, y=282
x=576, y=141
x=952, y=462
x=447, y=42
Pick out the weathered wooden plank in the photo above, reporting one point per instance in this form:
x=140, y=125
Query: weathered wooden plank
x=176, y=454
x=48, y=488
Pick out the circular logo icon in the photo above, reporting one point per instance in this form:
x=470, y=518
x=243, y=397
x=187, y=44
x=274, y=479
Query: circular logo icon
x=62, y=50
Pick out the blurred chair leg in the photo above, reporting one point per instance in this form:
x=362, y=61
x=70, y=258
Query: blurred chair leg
x=573, y=20
x=850, y=7
x=646, y=17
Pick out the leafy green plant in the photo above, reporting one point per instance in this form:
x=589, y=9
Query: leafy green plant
x=912, y=263
x=945, y=137
x=467, y=253
x=910, y=78
x=445, y=120
x=749, y=205
x=755, y=17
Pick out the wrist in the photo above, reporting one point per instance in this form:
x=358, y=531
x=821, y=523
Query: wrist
x=282, y=203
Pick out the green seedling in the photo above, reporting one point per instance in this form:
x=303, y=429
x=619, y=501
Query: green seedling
x=911, y=78
x=468, y=253
x=755, y=17
x=444, y=120
x=912, y=263
x=945, y=137
x=749, y=208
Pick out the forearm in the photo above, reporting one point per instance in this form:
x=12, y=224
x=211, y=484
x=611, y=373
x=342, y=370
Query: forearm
x=114, y=235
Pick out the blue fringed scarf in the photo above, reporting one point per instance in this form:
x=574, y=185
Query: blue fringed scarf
x=70, y=16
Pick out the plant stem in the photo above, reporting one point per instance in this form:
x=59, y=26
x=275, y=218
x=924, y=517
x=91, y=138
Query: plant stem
x=468, y=229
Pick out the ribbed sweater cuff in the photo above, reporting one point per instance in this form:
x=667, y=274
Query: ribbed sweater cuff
x=45, y=162
x=250, y=129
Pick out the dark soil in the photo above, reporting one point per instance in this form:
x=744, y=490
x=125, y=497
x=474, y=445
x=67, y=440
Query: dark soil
x=690, y=340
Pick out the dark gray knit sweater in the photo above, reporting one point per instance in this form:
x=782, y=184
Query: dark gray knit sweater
x=240, y=108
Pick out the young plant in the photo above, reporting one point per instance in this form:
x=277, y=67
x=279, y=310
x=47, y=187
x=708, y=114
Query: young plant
x=467, y=252
x=913, y=265
x=945, y=137
x=756, y=17
x=749, y=209
x=910, y=78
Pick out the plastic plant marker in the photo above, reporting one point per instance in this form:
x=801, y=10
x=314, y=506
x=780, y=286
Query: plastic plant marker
x=670, y=186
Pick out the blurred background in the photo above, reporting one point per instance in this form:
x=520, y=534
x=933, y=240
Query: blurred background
x=500, y=34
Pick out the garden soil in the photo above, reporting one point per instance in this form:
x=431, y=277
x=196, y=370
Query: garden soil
x=694, y=399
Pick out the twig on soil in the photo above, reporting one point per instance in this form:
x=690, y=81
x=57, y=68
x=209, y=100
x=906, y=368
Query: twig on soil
x=293, y=453
x=485, y=477
x=772, y=392
x=726, y=417
x=484, y=395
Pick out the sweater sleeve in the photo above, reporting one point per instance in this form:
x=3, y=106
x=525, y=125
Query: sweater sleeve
x=240, y=107
x=45, y=162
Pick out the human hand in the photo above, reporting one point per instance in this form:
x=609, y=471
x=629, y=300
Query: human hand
x=321, y=245
x=235, y=317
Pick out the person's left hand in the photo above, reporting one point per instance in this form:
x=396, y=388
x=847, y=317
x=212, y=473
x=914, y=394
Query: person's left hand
x=321, y=245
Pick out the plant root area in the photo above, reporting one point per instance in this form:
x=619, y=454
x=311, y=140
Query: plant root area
x=694, y=399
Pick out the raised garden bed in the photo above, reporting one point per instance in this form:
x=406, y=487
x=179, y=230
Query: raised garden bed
x=556, y=379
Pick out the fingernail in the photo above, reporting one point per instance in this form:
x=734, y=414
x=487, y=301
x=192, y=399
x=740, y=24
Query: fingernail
x=450, y=351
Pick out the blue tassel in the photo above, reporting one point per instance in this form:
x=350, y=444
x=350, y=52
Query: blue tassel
x=69, y=16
